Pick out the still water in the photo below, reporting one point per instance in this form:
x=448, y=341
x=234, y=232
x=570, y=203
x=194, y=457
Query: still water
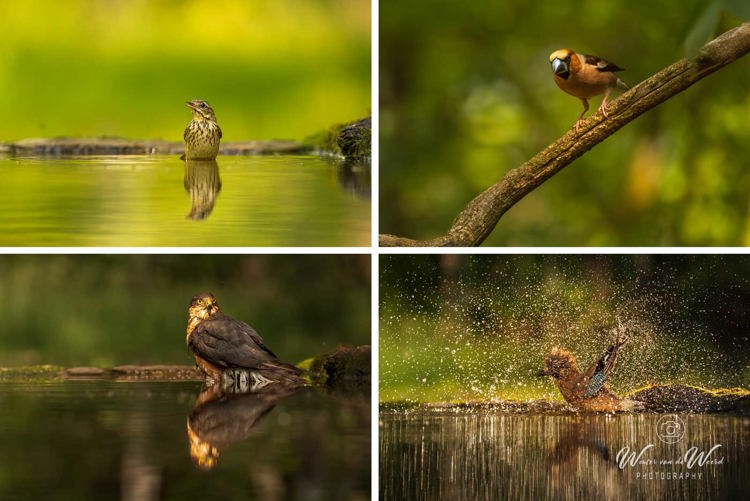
x=141, y=441
x=462, y=454
x=162, y=201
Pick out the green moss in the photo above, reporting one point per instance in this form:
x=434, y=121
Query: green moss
x=344, y=367
x=36, y=373
x=350, y=140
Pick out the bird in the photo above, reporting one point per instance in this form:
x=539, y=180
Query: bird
x=588, y=391
x=223, y=345
x=584, y=77
x=202, y=134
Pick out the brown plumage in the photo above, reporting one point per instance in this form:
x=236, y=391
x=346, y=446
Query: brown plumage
x=584, y=77
x=221, y=343
x=203, y=134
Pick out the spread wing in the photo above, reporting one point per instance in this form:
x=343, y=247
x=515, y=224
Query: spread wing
x=228, y=343
x=595, y=384
x=601, y=64
x=597, y=373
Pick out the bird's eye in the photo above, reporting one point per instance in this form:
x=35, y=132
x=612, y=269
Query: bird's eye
x=203, y=105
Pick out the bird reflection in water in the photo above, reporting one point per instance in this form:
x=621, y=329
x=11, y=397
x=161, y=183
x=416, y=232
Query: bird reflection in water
x=202, y=183
x=582, y=446
x=228, y=412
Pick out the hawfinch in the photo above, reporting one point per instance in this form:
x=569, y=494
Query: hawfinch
x=584, y=77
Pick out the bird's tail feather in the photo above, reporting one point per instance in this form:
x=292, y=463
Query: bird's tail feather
x=249, y=380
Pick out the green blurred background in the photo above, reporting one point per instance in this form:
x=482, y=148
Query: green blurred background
x=461, y=328
x=280, y=69
x=466, y=94
x=107, y=310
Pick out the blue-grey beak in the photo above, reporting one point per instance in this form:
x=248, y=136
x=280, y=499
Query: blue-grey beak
x=559, y=66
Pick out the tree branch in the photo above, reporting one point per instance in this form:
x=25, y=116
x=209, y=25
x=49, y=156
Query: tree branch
x=475, y=223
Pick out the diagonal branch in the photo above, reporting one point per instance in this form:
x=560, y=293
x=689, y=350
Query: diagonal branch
x=475, y=223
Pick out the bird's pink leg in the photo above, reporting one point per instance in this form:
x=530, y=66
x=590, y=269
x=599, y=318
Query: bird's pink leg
x=585, y=109
x=603, y=107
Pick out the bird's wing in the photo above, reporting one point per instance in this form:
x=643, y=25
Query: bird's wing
x=219, y=129
x=600, y=64
x=226, y=342
x=596, y=375
x=594, y=385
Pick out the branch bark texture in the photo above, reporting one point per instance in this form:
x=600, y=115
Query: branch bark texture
x=475, y=223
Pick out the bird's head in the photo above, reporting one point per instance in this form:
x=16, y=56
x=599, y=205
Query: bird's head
x=201, y=110
x=203, y=454
x=203, y=306
x=560, y=61
x=559, y=363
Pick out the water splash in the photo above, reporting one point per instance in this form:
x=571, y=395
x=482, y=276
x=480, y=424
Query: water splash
x=480, y=330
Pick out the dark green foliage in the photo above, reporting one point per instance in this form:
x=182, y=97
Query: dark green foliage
x=109, y=310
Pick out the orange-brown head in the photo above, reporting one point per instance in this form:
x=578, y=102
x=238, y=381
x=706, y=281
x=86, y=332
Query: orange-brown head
x=564, y=62
x=560, y=364
x=201, y=307
x=203, y=453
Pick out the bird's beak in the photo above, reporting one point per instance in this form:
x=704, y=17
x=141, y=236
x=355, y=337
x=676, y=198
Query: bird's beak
x=190, y=105
x=559, y=66
x=542, y=373
x=210, y=308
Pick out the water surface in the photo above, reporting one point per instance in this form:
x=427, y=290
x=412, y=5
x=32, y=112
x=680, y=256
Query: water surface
x=470, y=454
x=112, y=440
x=160, y=200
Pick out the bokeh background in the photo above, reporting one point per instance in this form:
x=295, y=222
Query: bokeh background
x=102, y=310
x=459, y=328
x=466, y=94
x=282, y=69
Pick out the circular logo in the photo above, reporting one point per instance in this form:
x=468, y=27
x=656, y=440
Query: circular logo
x=670, y=429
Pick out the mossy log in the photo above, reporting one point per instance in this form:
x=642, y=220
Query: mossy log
x=685, y=398
x=355, y=140
x=346, y=368
x=352, y=140
x=68, y=146
x=136, y=373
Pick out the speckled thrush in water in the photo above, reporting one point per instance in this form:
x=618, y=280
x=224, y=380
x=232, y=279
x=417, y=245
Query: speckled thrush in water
x=202, y=134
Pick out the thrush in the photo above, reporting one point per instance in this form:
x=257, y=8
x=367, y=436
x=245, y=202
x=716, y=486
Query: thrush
x=202, y=134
